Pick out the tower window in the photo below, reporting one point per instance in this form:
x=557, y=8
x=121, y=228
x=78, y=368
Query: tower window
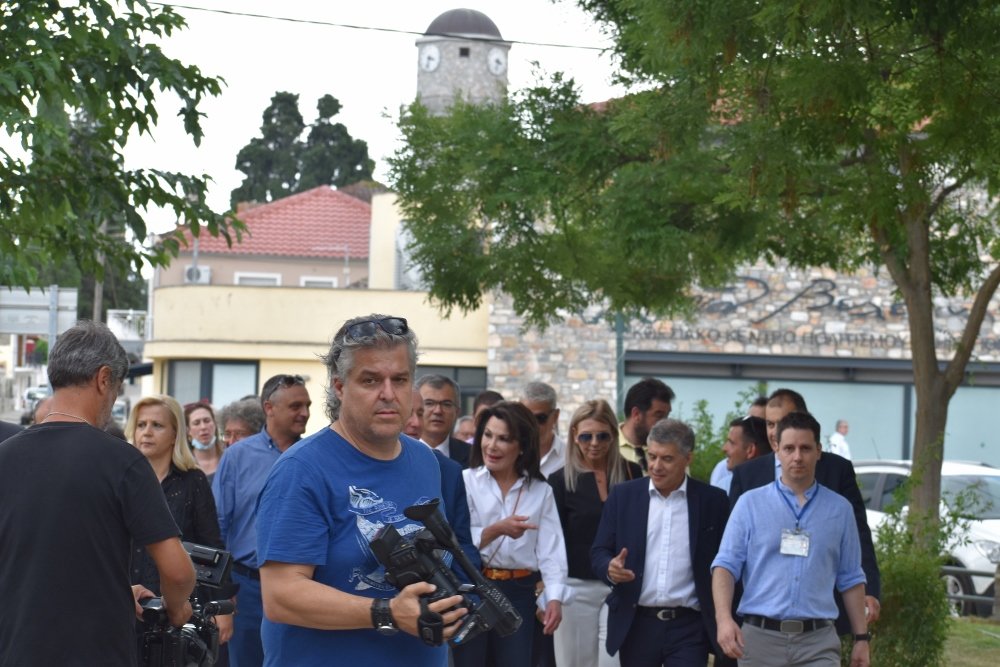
x=463, y=52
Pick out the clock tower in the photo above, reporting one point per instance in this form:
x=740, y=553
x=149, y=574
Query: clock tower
x=461, y=54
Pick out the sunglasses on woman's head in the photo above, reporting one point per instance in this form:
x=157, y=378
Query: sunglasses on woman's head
x=586, y=438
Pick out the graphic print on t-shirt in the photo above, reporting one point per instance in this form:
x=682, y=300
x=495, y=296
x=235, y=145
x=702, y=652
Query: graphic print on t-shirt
x=373, y=512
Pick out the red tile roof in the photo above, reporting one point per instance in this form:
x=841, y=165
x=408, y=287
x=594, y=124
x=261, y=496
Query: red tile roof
x=314, y=223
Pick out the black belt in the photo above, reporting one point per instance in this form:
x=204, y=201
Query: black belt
x=790, y=626
x=666, y=613
x=248, y=572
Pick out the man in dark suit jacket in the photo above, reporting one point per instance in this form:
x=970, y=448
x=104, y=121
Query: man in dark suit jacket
x=439, y=397
x=650, y=622
x=835, y=473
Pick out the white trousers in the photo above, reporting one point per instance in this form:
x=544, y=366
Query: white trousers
x=581, y=637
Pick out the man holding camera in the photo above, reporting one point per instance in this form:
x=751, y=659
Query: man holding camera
x=72, y=498
x=326, y=498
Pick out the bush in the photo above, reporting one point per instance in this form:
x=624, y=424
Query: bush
x=710, y=438
x=913, y=625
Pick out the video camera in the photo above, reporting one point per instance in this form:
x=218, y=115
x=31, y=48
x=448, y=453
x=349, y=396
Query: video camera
x=408, y=561
x=196, y=644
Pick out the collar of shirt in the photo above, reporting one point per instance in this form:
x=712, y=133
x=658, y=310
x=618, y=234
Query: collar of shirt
x=682, y=490
x=810, y=492
x=444, y=447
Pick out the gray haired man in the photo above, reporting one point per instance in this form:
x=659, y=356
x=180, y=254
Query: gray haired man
x=540, y=398
x=72, y=500
x=326, y=498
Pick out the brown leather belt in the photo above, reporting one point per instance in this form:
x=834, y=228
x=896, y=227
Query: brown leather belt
x=497, y=574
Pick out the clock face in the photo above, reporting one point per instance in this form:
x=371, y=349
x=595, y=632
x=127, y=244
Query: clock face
x=430, y=57
x=496, y=60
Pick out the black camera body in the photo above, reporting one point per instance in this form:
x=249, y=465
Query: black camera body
x=408, y=561
x=196, y=643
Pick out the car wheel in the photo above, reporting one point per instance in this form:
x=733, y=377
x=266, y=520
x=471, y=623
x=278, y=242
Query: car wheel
x=958, y=584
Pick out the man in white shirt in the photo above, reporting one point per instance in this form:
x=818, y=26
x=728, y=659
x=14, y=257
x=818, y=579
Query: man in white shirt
x=838, y=440
x=655, y=543
x=540, y=398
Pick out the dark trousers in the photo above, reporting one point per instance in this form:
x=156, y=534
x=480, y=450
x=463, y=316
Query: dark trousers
x=651, y=642
x=510, y=651
x=245, y=648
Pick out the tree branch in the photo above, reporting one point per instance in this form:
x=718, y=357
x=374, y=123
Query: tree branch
x=955, y=370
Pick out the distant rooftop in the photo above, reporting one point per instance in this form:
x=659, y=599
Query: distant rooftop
x=465, y=23
x=319, y=222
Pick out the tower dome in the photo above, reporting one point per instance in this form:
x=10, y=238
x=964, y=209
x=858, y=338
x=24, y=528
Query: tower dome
x=464, y=23
x=461, y=55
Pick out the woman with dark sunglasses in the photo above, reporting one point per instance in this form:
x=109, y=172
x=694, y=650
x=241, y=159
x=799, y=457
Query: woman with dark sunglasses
x=593, y=466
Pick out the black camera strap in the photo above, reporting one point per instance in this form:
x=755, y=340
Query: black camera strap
x=430, y=624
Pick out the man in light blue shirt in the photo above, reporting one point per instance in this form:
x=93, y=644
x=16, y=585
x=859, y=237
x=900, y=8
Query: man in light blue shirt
x=791, y=542
x=237, y=483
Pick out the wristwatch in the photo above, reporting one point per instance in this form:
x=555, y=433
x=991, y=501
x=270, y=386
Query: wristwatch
x=382, y=617
x=866, y=637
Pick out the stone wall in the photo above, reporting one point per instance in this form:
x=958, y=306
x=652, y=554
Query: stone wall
x=766, y=311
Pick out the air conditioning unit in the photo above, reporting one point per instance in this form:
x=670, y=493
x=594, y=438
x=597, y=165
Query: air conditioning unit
x=197, y=275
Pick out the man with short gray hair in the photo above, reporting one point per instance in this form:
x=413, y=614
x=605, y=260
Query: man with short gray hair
x=326, y=597
x=655, y=543
x=540, y=398
x=72, y=501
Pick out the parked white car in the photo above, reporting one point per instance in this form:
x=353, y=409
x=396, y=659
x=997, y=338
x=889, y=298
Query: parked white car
x=978, y=548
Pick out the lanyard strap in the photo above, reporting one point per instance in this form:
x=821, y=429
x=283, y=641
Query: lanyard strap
x=800, y=512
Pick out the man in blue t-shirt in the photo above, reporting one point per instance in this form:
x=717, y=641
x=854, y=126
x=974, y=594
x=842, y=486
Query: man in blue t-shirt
x=326, y=600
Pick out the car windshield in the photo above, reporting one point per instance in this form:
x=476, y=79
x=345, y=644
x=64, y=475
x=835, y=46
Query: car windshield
x=977, y=495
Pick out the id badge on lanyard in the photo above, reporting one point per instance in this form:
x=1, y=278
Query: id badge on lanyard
x=794, y=542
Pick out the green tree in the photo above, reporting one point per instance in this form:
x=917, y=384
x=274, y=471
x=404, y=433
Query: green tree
x=820, y=134
x=94, y=59
x=279, y=162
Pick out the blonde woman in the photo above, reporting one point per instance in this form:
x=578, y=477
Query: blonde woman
x=593, y=466
x=156, y=427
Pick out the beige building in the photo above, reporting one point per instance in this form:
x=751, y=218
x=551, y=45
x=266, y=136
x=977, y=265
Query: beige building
x=223, y=319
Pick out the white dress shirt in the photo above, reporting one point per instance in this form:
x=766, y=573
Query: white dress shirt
x=444, y=447
x=543, y=549
x=555, y=458
x=668, y=577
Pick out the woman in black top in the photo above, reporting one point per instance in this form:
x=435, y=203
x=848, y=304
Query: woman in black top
x=156, y=427
x=593, y=466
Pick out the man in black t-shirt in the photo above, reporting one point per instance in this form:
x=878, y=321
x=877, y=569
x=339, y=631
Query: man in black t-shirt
x=72, y=498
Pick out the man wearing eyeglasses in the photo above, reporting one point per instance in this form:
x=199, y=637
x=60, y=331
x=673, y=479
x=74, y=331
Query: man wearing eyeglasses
x=440, y=395
x=326, y=597
x=237, y=483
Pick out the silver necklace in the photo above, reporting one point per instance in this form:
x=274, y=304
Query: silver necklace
x=66, y=414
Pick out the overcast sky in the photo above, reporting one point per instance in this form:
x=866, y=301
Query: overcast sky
x=371, y=72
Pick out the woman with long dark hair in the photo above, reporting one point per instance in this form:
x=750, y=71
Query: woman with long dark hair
x=516, y=527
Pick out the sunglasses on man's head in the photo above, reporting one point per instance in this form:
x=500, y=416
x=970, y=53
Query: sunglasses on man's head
x=394, y=326
x=279, y=381
x=586, y=438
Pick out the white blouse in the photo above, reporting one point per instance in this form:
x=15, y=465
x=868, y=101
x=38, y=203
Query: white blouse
x=542, y=549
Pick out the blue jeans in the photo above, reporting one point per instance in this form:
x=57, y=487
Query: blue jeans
x=245, y=648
